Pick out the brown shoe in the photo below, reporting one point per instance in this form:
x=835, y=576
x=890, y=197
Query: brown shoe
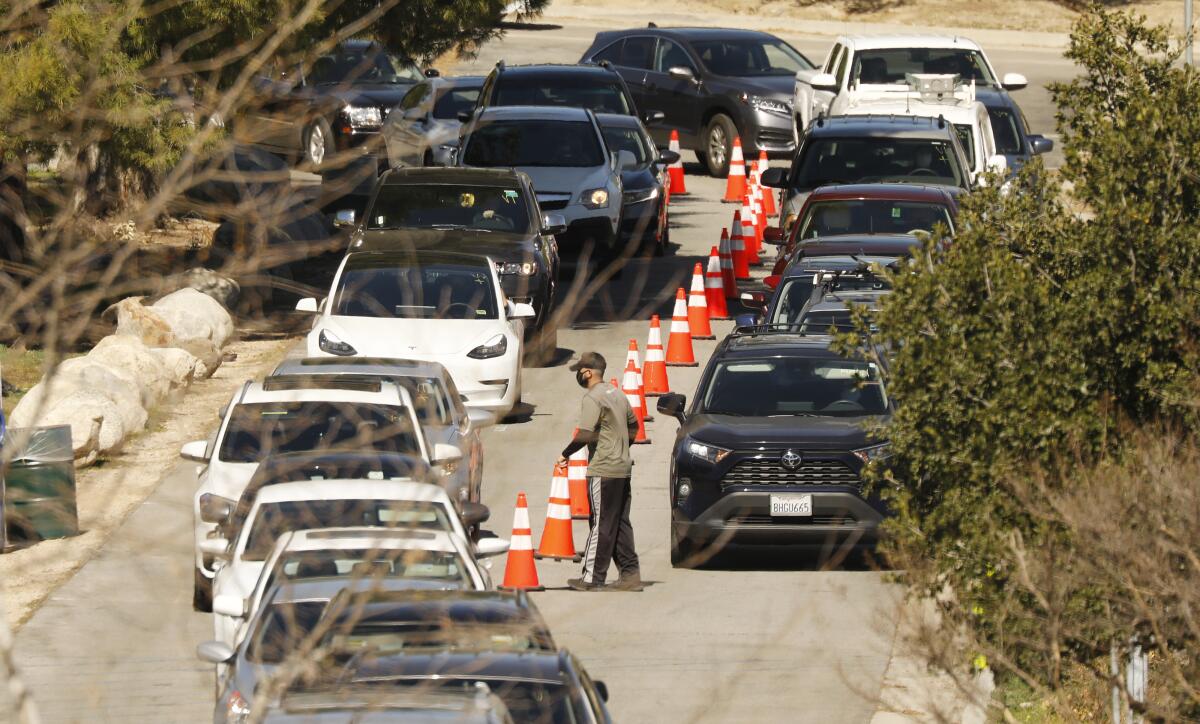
x=578, y=584
x=628, y=583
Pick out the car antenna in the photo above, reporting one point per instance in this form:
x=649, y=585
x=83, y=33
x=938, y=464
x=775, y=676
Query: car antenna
x=941, y=121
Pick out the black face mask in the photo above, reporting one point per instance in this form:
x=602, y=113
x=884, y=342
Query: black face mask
x=580, y=379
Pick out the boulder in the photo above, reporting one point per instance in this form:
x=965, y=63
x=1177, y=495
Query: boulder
x=137, y=320
x=81, y=409
x=91, y=378
x=131, y=355
x=221, y=288
x=206, y=352
x=195, y=315
x=182, y=366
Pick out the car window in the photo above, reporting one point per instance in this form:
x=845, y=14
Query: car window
x=670, y=55
x=840, y=73
x=892, y=65
x=627, y=139
x=638, y=53
x=783, y=386
x=1004, y=128
x=611, y=53
x=873, y=159
x=966, y=139
x=370, y=563
x=272, y=520
x=256, y=430
x=831, y=61
x=453, y=101
x=798, y=293
x=600, y=94
x=830, y=322
x=871, y=216
x=750, y=57
x=413, y=98
x=363, y=66
x=534, y=143
x=398, y=291
x=281, y=629
x=442, y=206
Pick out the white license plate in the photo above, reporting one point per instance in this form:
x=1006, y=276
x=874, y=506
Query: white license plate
x=797, y=505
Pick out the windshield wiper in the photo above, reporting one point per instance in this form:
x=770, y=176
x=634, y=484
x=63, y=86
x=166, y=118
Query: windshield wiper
x=459, y=226
x=795, y=414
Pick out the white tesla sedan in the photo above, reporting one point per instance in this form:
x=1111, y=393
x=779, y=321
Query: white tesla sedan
x=426, y=305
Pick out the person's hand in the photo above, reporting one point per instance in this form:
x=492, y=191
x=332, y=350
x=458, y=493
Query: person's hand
x=561, y=461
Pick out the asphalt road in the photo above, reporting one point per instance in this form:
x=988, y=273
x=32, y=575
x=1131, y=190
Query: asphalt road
x=760, y=636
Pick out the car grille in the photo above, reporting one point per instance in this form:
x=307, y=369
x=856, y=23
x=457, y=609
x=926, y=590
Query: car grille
x=770, y=472
x=772, y=138
x=550, y=205
x=764, y=519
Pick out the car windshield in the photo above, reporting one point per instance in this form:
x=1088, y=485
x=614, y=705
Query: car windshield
x=874, y=160
x=1008, y=134
x=281, y=629
x=745, y=58
x=429, y=291
x=370, y=563
x=871, y=216
x=827, y=322
x=272, y=520
x=363, y=66
x=538, y=701
x=449, y=206
x=566, y=91
x=256, y=430
x=782, y=386
x=892, y=65
x=797, y=293
x=621, y=138
x=452, y=101
x=534, y=143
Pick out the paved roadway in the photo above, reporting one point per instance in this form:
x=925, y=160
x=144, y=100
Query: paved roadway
x=755, y=638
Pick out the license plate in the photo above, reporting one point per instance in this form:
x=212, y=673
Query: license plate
x=798, y=505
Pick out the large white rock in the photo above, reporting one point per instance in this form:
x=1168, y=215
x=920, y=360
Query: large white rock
x=129, y=354
x=134, y=319
x=75, y=377
x=194, y=315
x=182, y=366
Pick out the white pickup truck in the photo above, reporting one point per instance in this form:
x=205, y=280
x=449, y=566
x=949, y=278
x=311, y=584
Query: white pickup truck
x=874, y=68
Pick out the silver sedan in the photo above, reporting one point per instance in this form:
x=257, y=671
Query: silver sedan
x=423, y=129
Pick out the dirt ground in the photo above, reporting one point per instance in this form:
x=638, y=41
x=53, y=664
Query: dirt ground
x=111, y=490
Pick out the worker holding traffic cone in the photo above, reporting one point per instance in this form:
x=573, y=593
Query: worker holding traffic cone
x=632, y=357
x=607, y=426
x=737, y=248
x=714, y=287
x=697, y=309
x=629, y=387
x=675, y=170
x=768, y=196
x=520, y=572
x=747, y=234
x=735, y=183
x=728, y=279
x=557, y=539
x=679, y=342
x=654, y=374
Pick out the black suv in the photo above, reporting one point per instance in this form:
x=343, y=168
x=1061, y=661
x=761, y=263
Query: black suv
x=597, y=88
x=712, y=85
x=772, y=449
x=491, y=212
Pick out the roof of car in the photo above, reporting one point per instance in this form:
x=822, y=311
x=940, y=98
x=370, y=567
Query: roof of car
x=857, y=244
x=383, y=258
x=696, y=33
x=498, y=176
x=557, y=70
x=353, y=490
x=375, y=538
x=881, y=126
x=618, y=120
x=460, y=81
x=534, y=113
x=409, y=704
x=875, y=42
x=757, y=341
x=386, y=394
x=547, y=667
x=885, y=191
x=367, y=366
x=306, y=458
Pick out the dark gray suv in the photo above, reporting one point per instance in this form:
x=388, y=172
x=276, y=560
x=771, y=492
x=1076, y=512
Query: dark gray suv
x=712, y=85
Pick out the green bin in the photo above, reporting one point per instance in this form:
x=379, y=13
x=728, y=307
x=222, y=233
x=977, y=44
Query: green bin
x=38, y=485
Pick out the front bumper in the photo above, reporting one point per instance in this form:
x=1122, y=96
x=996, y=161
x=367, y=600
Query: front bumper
x=594, y=235
x=643, y=222
x=744, y=516
x=768, y=132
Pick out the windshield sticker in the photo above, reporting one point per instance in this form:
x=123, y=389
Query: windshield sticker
x=895, y=212
x=510, y=196
x=466, y=200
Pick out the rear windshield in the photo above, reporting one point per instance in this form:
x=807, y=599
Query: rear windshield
x=792, y=386
x=453, y=101
x=371, y=563
x=892, y=65
x=256, y=430
x=871, y=216
x=274, y=519
x=428, y=291
x=874, y=160
x=534, y=143
x=565, y=91
x=798, y=293
x=446, y=206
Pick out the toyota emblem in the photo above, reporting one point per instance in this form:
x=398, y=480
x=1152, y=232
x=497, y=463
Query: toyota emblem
x=791, y=459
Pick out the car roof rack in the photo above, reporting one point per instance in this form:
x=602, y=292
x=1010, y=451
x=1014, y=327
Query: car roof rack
x=357, y=383
x=759, y=330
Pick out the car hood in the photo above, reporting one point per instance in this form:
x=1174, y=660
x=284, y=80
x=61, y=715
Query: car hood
x=773, y=86
x=566, y=179
x=441, y=339
x=384, y=96
x=807, y=433
x=228, y=480
x=495, y=244
x=638, y=178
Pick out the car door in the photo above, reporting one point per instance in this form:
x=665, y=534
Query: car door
x=834, y=103
x=636, y=56
x=679, y=98
x=404, y=133
x=272, y=115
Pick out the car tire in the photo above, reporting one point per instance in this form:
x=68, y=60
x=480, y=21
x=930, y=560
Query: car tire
x=682, y=552
x=318, y=144
x=201, y=592
x=718, y=144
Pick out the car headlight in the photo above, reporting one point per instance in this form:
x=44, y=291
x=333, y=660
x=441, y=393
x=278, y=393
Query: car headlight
x=595, y=198
x=331, y=343
x=516, y=268
x=768, y=105
x=706, y=452
x=494, y=347
x=363, y=116
x=637, y=196
x=870, y=454
x=237, y=709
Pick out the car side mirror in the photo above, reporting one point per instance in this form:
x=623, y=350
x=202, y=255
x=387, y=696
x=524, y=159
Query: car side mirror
x=446, y=453
x=553, y=224
x=774, y=235
x=216, y=547
x=307, y=304
x=601, y=689
x=227, y=604
x=474, y=513
x=465, y=116
x=754, y=300
x=214, y=652
x=681, y=72
x=488, y=547
x=625, y=160
x=431, y=72
x=520, y=310
x=1041, y=144
x=194, y=451
x=775, y=178
x=668, y=157
x=214, y=508
x=1013, y=81
x=344, y=218
x=653, y=117
x=824, y=82
x=672, y=404
x=480, y=418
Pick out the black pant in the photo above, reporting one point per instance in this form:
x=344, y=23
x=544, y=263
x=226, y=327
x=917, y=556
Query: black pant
x=611, y=534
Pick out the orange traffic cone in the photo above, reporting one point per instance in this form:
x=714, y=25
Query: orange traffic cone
x=633, y=357
x=577, y=464
x=520, y=572
x=654, y=374
x=557, y=541
x=697, y=309
x=714, y=287
x=737, y=248
x=679, y=343
x=728, y=278
x=735, y=183
x=629, y=387
x=675, y=170
x=767, y=196
x=747, y=234
x=756, y=205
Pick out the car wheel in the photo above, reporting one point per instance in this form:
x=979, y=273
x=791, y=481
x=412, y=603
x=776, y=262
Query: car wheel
x=318, y=143
x=201, y=592
x=718, y=144
x=682, y=551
